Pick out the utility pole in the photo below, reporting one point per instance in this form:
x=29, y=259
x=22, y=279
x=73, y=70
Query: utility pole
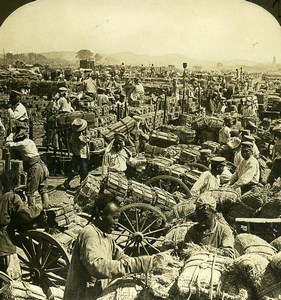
x=184, y=65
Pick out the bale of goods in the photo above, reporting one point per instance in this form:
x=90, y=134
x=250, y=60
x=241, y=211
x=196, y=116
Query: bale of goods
x=60, y=216
x=175, y=236
x=55, y=293
x=276, y=243
x=163, y=139
x=177, y=170
x=272, y=209
x=201, y=275
x=254, y=198
x=90, y=188
x=199, y=123
x=213, y=146
x=161, y=281
x=123, y=288
x=140, y=192
x=275, y=263
x=115, y=184
x=163, y=199
x=182, y=210
x=257, y=272
x=123, y=126
x=96, y=144
x=225, y=198
x=188, y=156
x=154, y=150
x=158, y=165
x=214, y=122
x=20, y=290
x=246, y=243
x=240, y=210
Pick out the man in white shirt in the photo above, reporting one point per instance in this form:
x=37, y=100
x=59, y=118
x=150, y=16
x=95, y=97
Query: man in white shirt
x=209, y=180
x=247, y=174
x=17, y=112
x=224, y=133
x=37, y=171
x=116, y=155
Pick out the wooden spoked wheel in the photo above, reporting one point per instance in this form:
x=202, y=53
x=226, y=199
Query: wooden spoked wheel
x=198, y=166
x=43, y=259
x=170, y=184
x=140, y=229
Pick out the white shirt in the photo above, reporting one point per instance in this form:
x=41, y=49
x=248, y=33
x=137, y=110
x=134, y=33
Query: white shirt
x=224, y=135
x=206, y=182
x=27, y=148
x=19, y=113
x=247, y=172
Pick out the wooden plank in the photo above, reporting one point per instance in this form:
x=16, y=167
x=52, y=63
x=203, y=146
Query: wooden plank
x=257, y=220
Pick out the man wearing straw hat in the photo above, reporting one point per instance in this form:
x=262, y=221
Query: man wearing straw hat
x=247, y=174
x=79, y=144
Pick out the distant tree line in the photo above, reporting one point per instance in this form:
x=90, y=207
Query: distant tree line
x=26, y=58
x=85, y=54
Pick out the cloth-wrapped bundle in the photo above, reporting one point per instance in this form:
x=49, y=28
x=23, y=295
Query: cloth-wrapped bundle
x=257, y=272
x=201, y=275
x=246, y=243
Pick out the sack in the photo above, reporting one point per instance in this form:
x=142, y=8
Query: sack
x=256, y=271
x=276, y=243
x=202, y=275
x=246, y=243
x=275, y=263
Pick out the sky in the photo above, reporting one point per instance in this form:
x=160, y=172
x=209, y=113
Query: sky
x=200, y=29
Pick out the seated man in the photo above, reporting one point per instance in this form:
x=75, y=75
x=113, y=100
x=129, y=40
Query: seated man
x=247, y=173
x=209, y=180
x=210, y=231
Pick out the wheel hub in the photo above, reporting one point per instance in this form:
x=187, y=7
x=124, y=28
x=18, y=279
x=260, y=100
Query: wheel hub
x=35, y=274
x=138, y=237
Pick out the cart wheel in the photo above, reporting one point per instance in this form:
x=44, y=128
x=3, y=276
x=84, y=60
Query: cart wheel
x=43, y=259
x=140, y=229
x=170, y=184
x=199, y=167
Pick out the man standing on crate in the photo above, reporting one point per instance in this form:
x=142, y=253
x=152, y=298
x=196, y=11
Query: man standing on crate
x=97, y=259
x=79, y=145
x=37, y=171
x=247, y=173
x=116, y=155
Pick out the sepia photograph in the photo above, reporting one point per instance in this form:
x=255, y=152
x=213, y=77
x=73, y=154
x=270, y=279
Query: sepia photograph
x=140, y=152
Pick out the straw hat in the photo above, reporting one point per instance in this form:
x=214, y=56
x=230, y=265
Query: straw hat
x=79, y=125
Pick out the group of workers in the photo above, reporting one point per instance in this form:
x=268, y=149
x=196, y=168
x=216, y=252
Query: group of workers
x=96, y=258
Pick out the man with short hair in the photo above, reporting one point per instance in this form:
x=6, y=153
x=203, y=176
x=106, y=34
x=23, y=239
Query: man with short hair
x=247, y=173
x=209, y=231
x=209, y=180
x=96, y=258
x=116, y=155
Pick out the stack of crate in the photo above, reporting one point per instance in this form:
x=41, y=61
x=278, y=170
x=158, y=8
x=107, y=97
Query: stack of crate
x=60, y=216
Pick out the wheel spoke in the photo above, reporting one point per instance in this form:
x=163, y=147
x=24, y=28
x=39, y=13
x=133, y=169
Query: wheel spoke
x=47, y=255
x=53, y=260
x=23, y=260
x=128, y=220
x=26, y=252
x=119, y=234
x=143, y=245
x=147, y=227
x=153, y=238
x=143, y=224
x=150, y=245
x=32, y=249
x=154, y=231
x=128, y=244
x=125, y=228
x=137, y=220
x=53, y=270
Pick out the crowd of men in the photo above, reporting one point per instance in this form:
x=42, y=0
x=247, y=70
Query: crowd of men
x=96, y=258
